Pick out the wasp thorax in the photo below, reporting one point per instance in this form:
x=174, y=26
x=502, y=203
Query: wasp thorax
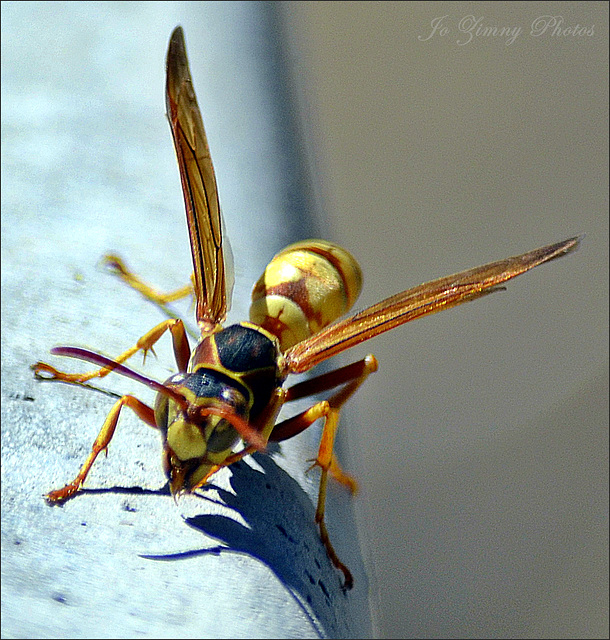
x=304, y=288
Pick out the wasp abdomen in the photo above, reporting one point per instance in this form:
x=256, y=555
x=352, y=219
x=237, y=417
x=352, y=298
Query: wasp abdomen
x=304, y=288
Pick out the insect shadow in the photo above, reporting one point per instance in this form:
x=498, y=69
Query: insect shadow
x=279, y=531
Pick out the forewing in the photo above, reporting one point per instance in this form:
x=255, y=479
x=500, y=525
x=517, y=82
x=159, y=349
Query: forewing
x=420, y=301
x=198, y=186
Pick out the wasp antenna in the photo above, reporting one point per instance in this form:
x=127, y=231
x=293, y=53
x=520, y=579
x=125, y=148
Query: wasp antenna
x=113, y=365
x=246, y=432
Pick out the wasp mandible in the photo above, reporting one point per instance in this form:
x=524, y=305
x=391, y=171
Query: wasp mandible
x=229, y=388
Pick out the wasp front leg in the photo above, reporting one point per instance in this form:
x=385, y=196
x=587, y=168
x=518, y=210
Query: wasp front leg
x=143, y=411
x=180, y=342
x=264, y=425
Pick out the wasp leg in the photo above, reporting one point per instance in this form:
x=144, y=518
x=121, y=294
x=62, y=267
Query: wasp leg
x=143, y=411
x=354, y=375
x=119, y=268
x=182, y=353
x=264, y=424
x=356, y=372
x=347, y=480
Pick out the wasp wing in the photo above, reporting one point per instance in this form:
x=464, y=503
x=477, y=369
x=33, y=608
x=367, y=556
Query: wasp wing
x=420, y=301
x=198, y=186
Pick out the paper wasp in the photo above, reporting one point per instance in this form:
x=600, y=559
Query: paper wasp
x=229, y=388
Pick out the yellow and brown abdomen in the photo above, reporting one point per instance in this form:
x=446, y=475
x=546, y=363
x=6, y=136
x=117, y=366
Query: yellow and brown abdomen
x=304, y=288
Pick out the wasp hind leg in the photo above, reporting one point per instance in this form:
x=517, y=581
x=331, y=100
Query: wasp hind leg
x=143, y=411
x=120, y=269
x=117, y=267
x=352, y=376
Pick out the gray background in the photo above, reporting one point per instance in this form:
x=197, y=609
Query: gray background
x=481, y=444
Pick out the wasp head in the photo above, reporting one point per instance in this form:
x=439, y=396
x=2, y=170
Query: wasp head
x=203, y=431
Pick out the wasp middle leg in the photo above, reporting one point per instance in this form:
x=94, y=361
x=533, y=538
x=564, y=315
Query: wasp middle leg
x=180, y=342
